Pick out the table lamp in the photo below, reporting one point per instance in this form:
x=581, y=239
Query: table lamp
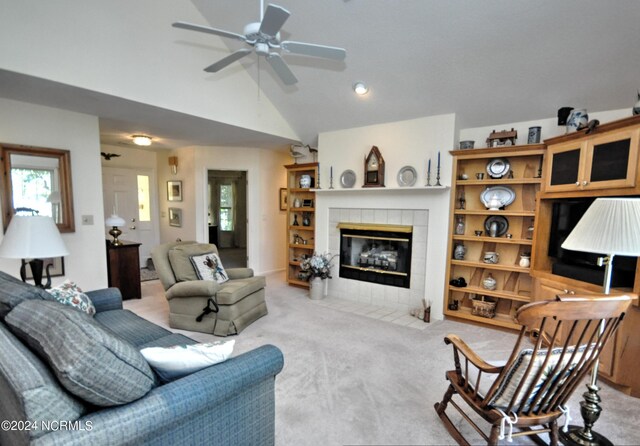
x=115, y=222
x=33, y=237
x=609, y=227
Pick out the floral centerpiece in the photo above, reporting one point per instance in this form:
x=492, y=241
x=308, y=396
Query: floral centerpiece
x=318, y=265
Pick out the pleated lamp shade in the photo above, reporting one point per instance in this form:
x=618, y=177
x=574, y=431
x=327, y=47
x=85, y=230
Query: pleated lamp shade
x=610, y=226
x=32, y=237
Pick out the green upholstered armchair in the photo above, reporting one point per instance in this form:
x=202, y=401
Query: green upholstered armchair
x=239, y=301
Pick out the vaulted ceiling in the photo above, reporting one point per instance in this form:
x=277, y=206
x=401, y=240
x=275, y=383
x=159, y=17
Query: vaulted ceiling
x=490, y=62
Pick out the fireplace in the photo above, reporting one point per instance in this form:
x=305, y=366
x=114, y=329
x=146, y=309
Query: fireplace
x=376, y=253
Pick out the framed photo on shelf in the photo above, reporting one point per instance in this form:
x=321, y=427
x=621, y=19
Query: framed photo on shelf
x=55, y=265
x=174, y=190
x=283, y=199
x=175, y=217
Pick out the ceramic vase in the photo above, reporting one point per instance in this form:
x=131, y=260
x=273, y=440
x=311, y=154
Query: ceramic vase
x=489, y=283
x=577, y=119
x=305, y=181
x=459, y=252
x=316, y=290
x=525, y=261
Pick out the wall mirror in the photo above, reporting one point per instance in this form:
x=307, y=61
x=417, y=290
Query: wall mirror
x=37, y=180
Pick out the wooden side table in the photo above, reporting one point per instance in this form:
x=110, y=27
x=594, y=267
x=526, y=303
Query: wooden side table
x=123, y=268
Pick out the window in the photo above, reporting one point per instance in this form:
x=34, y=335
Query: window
x=32, y=189
x=144, y=198
x=226, y=207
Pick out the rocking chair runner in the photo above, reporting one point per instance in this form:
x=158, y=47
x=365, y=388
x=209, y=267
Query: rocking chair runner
x=531, y=389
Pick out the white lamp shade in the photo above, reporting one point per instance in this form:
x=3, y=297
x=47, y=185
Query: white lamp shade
x=115, y=220
x=32, y=237
x=610, y=226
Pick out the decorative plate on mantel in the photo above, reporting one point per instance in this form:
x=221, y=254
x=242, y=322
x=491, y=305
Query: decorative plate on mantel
x=348, y=179
x=407, y=176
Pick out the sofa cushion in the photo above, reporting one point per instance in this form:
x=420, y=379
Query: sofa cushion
x=130, y=327
x=180, y=259
x=90, y=362
x=68, y=293
x=13, y=291
x=181, y=360
x=209, y=267
x=26, y=383
x=234, y=290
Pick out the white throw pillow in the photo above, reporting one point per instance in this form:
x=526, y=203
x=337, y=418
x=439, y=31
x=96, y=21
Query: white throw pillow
x=175, y=362
x=209, y=267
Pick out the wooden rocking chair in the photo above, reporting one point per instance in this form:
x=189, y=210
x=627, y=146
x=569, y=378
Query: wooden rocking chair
x=531, y=389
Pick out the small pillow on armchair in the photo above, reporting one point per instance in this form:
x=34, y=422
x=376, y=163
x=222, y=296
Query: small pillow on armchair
x=180, y=259
x=209, y=267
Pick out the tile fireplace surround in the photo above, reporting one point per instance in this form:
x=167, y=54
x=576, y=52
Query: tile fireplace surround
x=376, y=294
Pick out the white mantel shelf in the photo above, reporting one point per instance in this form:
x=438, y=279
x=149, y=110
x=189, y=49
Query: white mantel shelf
x=380, y=189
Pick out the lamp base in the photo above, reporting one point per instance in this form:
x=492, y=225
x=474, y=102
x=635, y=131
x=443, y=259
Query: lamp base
x=115, y=233
x=574, y=437
x=36, y=271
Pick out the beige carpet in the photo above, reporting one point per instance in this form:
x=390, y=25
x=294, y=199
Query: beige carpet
x=350, y=379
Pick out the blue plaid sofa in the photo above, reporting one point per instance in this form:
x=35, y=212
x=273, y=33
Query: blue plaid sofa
x=231, y=403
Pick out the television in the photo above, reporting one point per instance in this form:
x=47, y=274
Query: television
x=583, y=266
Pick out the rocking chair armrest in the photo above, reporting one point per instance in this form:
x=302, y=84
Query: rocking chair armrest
x=460, y=346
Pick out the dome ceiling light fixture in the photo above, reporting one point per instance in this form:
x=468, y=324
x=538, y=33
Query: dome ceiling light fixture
x=141, y=140
x=360, y=88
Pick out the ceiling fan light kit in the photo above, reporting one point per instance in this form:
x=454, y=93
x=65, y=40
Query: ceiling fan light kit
x=264, y=37
x=141, y=140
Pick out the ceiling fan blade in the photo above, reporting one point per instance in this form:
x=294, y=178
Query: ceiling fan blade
x=274, y=18
x=231, y=58
x=281, y=68
x=209, y=30
x=310, y=49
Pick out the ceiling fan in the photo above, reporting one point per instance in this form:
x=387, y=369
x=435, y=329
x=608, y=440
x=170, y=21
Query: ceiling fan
x=264, y=37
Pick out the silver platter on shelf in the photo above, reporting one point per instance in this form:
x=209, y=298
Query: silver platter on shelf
x=505, y=194
x=407, y=176
x=348, y=178
x=498, y=167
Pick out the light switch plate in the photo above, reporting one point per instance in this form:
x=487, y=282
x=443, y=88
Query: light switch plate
x=87, y=220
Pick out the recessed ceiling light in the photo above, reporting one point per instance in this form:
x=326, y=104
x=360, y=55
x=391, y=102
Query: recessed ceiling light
x=360, y=88
x=141, y=140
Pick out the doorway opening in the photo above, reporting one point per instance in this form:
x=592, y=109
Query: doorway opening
x=227, y=215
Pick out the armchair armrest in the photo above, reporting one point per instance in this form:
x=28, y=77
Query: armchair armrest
x=239, y=273
x=106, y=299
x=203, y=406
x=193, y=288
x=459, y=346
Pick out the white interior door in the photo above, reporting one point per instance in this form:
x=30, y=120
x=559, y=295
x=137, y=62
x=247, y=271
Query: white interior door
x=129, y=194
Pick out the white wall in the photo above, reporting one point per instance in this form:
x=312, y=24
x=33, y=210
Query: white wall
x=128, y=49
x=265, y=175
x=33, y=125
x=402, y=143
x=549, y=126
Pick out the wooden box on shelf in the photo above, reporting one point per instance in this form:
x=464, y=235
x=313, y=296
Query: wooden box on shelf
x=470, y=225
x=301, y=179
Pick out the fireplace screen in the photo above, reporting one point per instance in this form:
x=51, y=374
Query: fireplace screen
x=376, y=253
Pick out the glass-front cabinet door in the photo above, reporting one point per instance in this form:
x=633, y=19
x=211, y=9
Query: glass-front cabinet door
x=599, y=162
x=564, y=166
x=611, y=160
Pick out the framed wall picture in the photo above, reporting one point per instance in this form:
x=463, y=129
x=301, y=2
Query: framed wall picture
x=175, y=217
x=55, y=265
x=283, y=199
x=174, y=190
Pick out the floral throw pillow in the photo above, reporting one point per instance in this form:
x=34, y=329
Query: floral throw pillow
x=209, y=267
x=70, y=294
